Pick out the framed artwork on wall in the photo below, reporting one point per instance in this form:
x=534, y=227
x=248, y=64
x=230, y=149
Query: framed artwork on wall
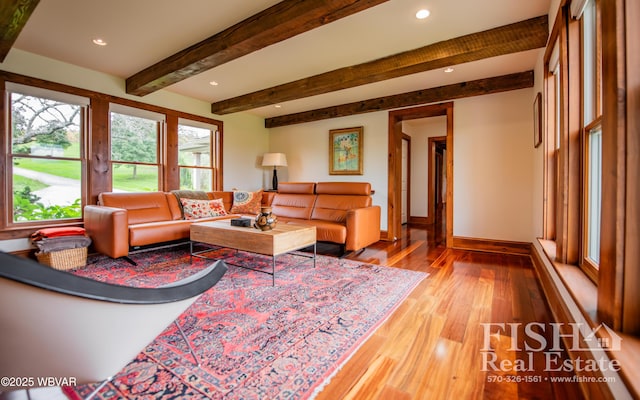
x=537, y=120
x=345, y=151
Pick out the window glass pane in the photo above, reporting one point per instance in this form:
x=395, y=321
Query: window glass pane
x=135, y=177
x=46, y=139
x=195, y=179
x=558, y=108
x=133, y=139
x=46, y=189
x=194, y=146
x=589, y=55
x=43, y=127
x=594, y=194
x=134, y=145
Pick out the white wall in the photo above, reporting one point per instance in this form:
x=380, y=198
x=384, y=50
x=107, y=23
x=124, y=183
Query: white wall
x=307, y=149
x=492, y=173
x=493, y=158
x=245, y=141
x=554, y=7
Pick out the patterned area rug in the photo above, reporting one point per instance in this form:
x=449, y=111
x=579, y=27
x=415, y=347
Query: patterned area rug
x=254, y=340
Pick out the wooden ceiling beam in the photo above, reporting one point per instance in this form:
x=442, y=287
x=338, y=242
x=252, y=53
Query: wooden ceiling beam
x=478, y=87
x=13, y=17
x=279, y=22
x=520, y=36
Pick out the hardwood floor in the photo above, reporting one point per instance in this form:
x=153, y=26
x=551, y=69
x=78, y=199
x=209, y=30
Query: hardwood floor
x=431, y=347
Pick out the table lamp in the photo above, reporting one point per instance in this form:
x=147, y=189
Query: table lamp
x=275, y=160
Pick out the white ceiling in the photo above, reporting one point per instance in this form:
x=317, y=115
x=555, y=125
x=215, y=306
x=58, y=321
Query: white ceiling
x=142, y=32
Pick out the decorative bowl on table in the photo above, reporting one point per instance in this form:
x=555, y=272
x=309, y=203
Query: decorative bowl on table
x=265, y=220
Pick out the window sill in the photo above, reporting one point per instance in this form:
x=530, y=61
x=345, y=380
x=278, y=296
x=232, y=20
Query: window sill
x=582, y=289
x=584, y=295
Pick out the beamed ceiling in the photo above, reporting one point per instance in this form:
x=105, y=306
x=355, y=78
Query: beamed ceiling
x=291, y=61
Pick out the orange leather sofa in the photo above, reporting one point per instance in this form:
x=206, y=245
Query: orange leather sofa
x=124, y=221
x=342, y=212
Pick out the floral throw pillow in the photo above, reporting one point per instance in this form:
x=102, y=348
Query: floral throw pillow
x=246, y=202
x=196, y=209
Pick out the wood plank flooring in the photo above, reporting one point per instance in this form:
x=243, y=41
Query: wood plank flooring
x=430, y=348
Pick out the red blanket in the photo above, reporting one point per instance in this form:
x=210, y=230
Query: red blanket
x=57, y=232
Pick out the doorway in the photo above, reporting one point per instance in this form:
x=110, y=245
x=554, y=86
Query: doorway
x=437, y=183
x=437, y=186
x=405, y=184
x=394, y=216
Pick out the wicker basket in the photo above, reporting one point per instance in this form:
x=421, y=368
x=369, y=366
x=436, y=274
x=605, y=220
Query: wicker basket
x=64, y=259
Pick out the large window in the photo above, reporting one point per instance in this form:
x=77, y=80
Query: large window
x=591, y=133
x=196, y=155
x=574, y=156
x=62, y=146
x=46, y=155
x=135, y=138
x=552, y=141
x=596, y=213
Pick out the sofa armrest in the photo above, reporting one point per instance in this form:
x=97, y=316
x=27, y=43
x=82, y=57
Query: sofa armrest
x=108, y=228
x=363, y=227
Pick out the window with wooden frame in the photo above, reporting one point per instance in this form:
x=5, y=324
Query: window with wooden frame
x=588, y=12
x=135, y=149
x=197, y=143
x=552, y=140
x=565, y=152
x=96, y=141
x=46, y=156
x=599, y=59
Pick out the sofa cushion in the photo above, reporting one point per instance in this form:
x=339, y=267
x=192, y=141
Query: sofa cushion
x=246, y=202
x=331, y=207
x=163, y=231
x=196, y=209
x=226, y=197
x=293, y=205
x=296, y=187
x=326, y=231
x=346, y=188
x=174, y=206
x=141, y=207
x=188, y=194
x=158, y=232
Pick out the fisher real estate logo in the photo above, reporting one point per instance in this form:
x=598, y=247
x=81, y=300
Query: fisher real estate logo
x=501, y=339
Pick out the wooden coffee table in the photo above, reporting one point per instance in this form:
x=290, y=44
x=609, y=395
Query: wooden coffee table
x=284, y=238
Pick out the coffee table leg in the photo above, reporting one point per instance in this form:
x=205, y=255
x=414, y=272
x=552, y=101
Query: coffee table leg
x=314, y=254
x=273, y=271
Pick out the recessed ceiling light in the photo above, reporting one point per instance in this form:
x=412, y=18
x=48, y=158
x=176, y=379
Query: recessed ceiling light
x=99, y=42
x=278, y=106
x=448, y=70
x=213, y=83
x=422, y=14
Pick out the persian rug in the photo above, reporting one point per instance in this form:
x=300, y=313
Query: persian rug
x=254, y=340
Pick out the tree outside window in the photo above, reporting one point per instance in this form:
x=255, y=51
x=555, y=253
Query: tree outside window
x=134, y=153
x=46, y=137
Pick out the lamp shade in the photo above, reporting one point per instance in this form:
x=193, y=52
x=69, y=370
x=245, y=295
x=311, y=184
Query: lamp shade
x=274, y=160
